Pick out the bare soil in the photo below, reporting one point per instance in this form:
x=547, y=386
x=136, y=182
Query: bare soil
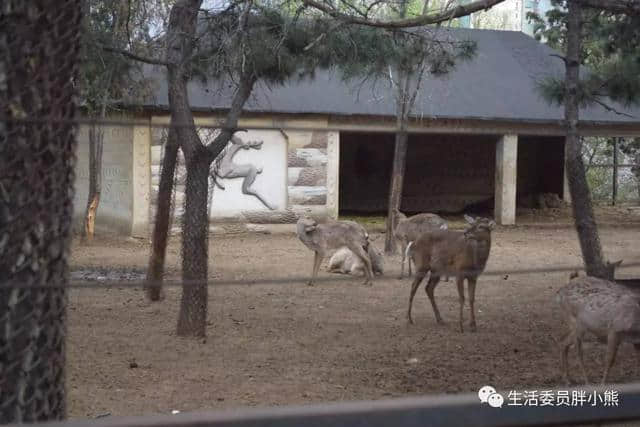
x=289, y=343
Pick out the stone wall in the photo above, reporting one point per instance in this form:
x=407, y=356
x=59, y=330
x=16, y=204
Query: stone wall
x=116, y=200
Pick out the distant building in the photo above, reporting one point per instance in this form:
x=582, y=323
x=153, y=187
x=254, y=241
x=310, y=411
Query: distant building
x=510, y=15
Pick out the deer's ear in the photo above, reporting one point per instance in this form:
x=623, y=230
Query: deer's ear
x=615, y=264
x=469, y=219
x=309, y=228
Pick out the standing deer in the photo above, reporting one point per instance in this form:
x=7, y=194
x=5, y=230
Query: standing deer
x=322, y=238
x=606, y=309
x=408, y=230
x=462, y=254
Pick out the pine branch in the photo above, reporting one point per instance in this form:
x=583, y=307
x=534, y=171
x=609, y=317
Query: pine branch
x=628, y=7
x=447, y=15
x=610, y=108
x=135, y=57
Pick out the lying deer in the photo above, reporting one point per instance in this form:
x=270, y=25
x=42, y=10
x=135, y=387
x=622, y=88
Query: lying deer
x=346, y=262
x=322, y=238
x=606, y=309
x=462, y=254
x=408, y=230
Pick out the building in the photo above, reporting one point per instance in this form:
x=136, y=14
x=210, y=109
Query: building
x=480, y=136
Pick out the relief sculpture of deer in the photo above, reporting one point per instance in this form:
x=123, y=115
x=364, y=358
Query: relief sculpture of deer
x=224, y=167
x=460, y=254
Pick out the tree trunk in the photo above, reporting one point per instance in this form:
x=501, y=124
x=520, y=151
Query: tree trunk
x=96, y=141
x=614, y=177
x=193, y=307
x=636, y=172
x=395, y=192
x=155, y=273
x=37, y=158
x=581, y=197
x=402, y=85
x=180, y=43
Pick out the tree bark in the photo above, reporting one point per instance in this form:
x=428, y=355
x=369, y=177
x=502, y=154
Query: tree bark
x=584, y=217
x=180, y=44
x=96, y=143
x=614, y=177
x=155, y=273
x=37, y=159
x=397, y=181
x=193, y=307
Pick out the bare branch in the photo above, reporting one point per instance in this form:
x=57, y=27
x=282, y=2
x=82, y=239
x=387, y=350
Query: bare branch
x=131, y=55
x=456, y=12
x=610, y=108
x=559, y=56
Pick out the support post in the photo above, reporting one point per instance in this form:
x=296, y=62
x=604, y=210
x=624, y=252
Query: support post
x=505, y=179
x=333, y=175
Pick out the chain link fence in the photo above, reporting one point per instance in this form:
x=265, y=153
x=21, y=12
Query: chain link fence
x=39, y=46
x=613, y=174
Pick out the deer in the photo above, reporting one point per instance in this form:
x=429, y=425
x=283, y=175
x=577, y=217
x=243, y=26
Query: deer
x=407, y=231
x=346, y=262
x=462, y=254
x=332, y=235
x=607, y=310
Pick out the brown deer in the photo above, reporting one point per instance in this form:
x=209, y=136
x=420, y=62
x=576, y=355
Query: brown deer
x=323, y=238
x=608, y=310
x=407, y=231
x=461, y=254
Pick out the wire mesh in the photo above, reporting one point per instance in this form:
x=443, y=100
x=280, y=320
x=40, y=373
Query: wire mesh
x=39, y=45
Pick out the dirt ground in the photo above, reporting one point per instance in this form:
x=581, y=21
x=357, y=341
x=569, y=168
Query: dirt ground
x=289, y=343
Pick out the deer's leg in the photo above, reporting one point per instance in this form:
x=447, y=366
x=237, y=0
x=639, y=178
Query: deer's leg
x=430, y=290
x=613, y=341
x=414, y=287
x=403, y=248
x=578, y=344
x=637, y=349
x=317, y=260
x=460, y=283
x=364, y=256
x=567, y=341
x=471, y=281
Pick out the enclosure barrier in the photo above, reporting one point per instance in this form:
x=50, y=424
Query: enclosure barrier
x=433, y=411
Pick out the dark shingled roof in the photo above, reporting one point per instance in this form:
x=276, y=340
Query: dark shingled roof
x=498, y=84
